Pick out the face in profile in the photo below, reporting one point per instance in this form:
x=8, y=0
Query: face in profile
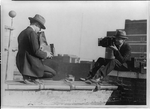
x=119, y=41
x=38, y=28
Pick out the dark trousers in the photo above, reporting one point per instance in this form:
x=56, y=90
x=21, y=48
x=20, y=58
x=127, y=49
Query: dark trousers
x=50, y=68
x=108, y=66
x=48, y=72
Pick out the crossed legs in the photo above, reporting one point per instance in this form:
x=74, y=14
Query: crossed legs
x=108, y=66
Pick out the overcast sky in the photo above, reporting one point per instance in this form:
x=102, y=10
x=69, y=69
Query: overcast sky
x=74, y=27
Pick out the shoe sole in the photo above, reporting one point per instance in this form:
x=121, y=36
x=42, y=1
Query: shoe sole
x=96, y=81
x=38, y=82
x=88, y=82
x=68, y=80
x=82, y=79
x=31, y=83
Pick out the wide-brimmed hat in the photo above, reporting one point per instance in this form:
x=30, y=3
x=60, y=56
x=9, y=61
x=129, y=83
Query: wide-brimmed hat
x=121, y=34
x=39, y=19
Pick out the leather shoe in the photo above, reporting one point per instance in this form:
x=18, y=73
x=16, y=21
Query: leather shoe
x=88, y=81
x=37, y=81
x=28, y=81
x=82, y=79
x=98, y=80
x=87, y=78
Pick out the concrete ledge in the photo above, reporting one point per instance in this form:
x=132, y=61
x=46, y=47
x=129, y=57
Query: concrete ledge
x=48, y=84
x=57, y=85
x=79, y=85
x=127, y=74
x=23, y=87
x=101, y=87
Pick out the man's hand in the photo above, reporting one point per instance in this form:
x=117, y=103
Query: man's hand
x=49, y=54
x=113, y=47
x=42, y=47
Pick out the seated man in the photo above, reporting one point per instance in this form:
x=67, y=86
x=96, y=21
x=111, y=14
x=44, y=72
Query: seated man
x=122, y=52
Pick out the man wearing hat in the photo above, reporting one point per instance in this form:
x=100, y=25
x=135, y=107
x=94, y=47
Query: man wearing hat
x=122, y=52
x=30, y=57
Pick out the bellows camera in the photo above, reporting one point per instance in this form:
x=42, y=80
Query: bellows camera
x=106, y=41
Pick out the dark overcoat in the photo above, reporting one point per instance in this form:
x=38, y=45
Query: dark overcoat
x=29, y=56
x=123, y=55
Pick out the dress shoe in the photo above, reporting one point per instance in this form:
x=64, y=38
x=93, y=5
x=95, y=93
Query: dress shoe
x=29, y=81
x=82, y=79
x=97, y=80
x=87, y=78
x=88, y=81
x=37, y=81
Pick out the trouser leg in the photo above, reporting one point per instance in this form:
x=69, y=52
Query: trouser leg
x=51, y=67
x=51, y=63
x=98, y=64
x=113, y=64
x=48, y=72
x=47, y=75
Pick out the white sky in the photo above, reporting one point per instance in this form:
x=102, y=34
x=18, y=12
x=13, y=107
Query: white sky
x=74, y=26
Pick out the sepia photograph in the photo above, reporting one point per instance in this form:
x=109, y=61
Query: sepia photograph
x=74, y=54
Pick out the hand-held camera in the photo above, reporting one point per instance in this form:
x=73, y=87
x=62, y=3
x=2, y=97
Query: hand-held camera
x=106, y=41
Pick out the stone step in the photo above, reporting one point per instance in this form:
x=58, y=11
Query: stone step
x=57, y=85
x=127, y=74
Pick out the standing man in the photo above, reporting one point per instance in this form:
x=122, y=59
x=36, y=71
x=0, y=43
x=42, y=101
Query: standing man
x=122, y=52
x=30, y=57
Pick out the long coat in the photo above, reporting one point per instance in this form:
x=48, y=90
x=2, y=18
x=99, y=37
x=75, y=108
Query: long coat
x=29, y=56
x=123, y=55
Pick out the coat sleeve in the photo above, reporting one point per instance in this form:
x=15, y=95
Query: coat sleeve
x=35, y=46
x=123, y=55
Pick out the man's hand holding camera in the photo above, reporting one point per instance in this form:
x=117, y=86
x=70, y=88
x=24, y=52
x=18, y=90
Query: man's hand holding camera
x=49, y=54
x=42, y=47
x=113, y=47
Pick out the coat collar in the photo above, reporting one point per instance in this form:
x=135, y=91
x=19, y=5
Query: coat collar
x=31, y=27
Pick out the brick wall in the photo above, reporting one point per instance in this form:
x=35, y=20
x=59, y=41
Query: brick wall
x=136, y=26
x=63, y=69
x=130, y=92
